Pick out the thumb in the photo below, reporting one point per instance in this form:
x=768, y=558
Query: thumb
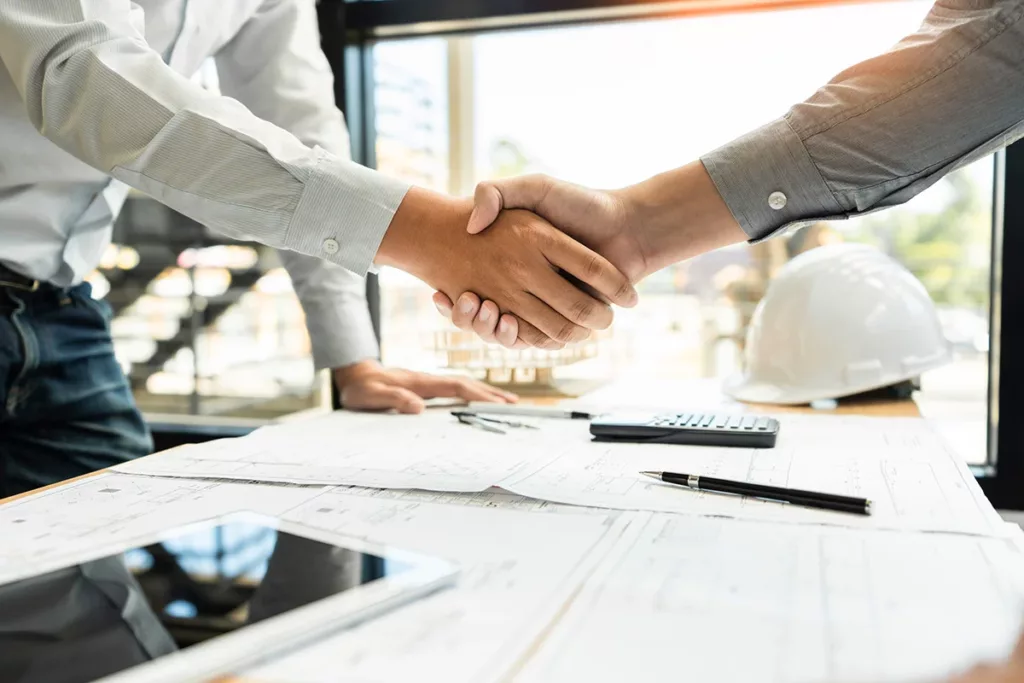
x=487, y=204
x=491, y=196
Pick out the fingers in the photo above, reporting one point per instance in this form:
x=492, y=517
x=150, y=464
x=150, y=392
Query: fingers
x=507, y=333
x=537, y=336
x=378, y=395
x=444, y=304
x=569, y=308
x=486, y=322
x=593, y=269
x=482, y=318
x=466, y=308
x=470, y=314
x=490, y=197
x=465, y=388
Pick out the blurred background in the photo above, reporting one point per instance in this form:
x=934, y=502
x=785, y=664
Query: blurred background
x=208, y=328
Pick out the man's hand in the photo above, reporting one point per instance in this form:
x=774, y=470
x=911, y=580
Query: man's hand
x=603, y=221
x=369, y=386
x=639, y=229
x=517, y=265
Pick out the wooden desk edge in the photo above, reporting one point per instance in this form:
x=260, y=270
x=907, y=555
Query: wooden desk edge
x=81, y=477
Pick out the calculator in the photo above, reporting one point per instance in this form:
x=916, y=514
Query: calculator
x=694, y=429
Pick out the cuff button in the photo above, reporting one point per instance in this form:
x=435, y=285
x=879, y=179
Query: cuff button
x=777, y=200
x=331, y=246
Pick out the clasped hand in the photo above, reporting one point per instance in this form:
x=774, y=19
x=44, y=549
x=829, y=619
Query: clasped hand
x=520, y=264
x=603, y=221
x=639, y=229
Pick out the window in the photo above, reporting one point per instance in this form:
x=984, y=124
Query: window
x=203, y=326
x=609, y=104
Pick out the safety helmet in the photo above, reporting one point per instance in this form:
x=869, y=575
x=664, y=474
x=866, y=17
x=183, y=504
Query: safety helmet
x=836, y=321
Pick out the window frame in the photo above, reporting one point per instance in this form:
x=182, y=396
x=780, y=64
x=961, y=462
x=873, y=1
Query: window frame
x=350, y=28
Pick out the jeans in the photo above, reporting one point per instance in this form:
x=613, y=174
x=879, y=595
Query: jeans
x=67, y=408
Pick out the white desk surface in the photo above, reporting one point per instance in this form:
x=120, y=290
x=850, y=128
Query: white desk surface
x=563, y=593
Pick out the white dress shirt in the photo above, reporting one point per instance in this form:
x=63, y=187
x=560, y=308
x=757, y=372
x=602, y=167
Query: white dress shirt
x=95, y=89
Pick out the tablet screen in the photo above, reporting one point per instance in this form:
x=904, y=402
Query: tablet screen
x=97, y=618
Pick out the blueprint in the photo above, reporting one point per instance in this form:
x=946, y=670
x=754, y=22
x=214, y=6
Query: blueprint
x=432, y=451
x=699, y=599
x=913, y=480
x=908, y=472
x=551, y=592
x=519, y=568
x=82, y=519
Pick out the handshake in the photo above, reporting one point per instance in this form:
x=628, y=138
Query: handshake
x=534, y=261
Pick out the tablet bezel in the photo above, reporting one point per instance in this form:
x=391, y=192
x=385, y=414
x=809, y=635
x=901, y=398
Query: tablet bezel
x=231, y=653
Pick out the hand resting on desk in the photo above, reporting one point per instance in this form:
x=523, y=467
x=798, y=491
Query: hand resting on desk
x=368, y=385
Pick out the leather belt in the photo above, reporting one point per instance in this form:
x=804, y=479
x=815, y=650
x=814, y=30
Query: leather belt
x=12, y=280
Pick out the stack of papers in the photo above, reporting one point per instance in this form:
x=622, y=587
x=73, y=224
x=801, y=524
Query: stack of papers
x=433, y=452
x=576, y=568
x=701, y=599
x=913, y=480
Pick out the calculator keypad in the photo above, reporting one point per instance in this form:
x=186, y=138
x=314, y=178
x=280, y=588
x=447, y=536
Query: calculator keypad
x=713, y=421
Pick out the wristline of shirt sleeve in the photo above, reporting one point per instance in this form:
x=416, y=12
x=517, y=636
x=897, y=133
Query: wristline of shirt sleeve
x=771, y=159
x=343, y=213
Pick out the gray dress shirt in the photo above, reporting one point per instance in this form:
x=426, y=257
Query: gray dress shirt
x=101, y=89
x=886, y=129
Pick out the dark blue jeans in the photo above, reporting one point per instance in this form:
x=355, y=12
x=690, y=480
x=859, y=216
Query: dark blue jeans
x=67, y=408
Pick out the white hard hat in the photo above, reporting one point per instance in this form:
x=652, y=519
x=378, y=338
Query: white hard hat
x=836, y=321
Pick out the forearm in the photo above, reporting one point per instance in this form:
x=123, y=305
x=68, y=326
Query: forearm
x=678, y=215
x=419, y=239
x=886, y=129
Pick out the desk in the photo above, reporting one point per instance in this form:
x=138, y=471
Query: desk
x=901, y=408
x=706, y=391
x=557, y=619
x=706, y=394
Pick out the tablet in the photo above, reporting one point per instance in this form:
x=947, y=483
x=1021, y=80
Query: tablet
x=199, y=601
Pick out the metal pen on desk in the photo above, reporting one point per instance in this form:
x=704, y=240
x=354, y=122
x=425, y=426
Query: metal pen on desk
x=472, y=421
x=488, y=423
x=529, y=411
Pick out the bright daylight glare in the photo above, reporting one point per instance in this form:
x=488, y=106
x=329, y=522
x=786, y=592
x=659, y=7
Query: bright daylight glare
x=610, y=104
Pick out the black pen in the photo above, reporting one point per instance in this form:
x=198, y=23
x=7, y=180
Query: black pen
x=811, y=499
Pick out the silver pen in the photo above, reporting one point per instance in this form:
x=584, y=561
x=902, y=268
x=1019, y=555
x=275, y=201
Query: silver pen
x=529, y=411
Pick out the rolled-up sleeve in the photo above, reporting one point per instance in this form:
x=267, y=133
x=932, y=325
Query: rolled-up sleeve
x=92, y=85
x=886, y=129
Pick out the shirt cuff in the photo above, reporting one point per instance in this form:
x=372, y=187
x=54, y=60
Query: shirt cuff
x=340, y=333
x=770, y=183
x=343, y=213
